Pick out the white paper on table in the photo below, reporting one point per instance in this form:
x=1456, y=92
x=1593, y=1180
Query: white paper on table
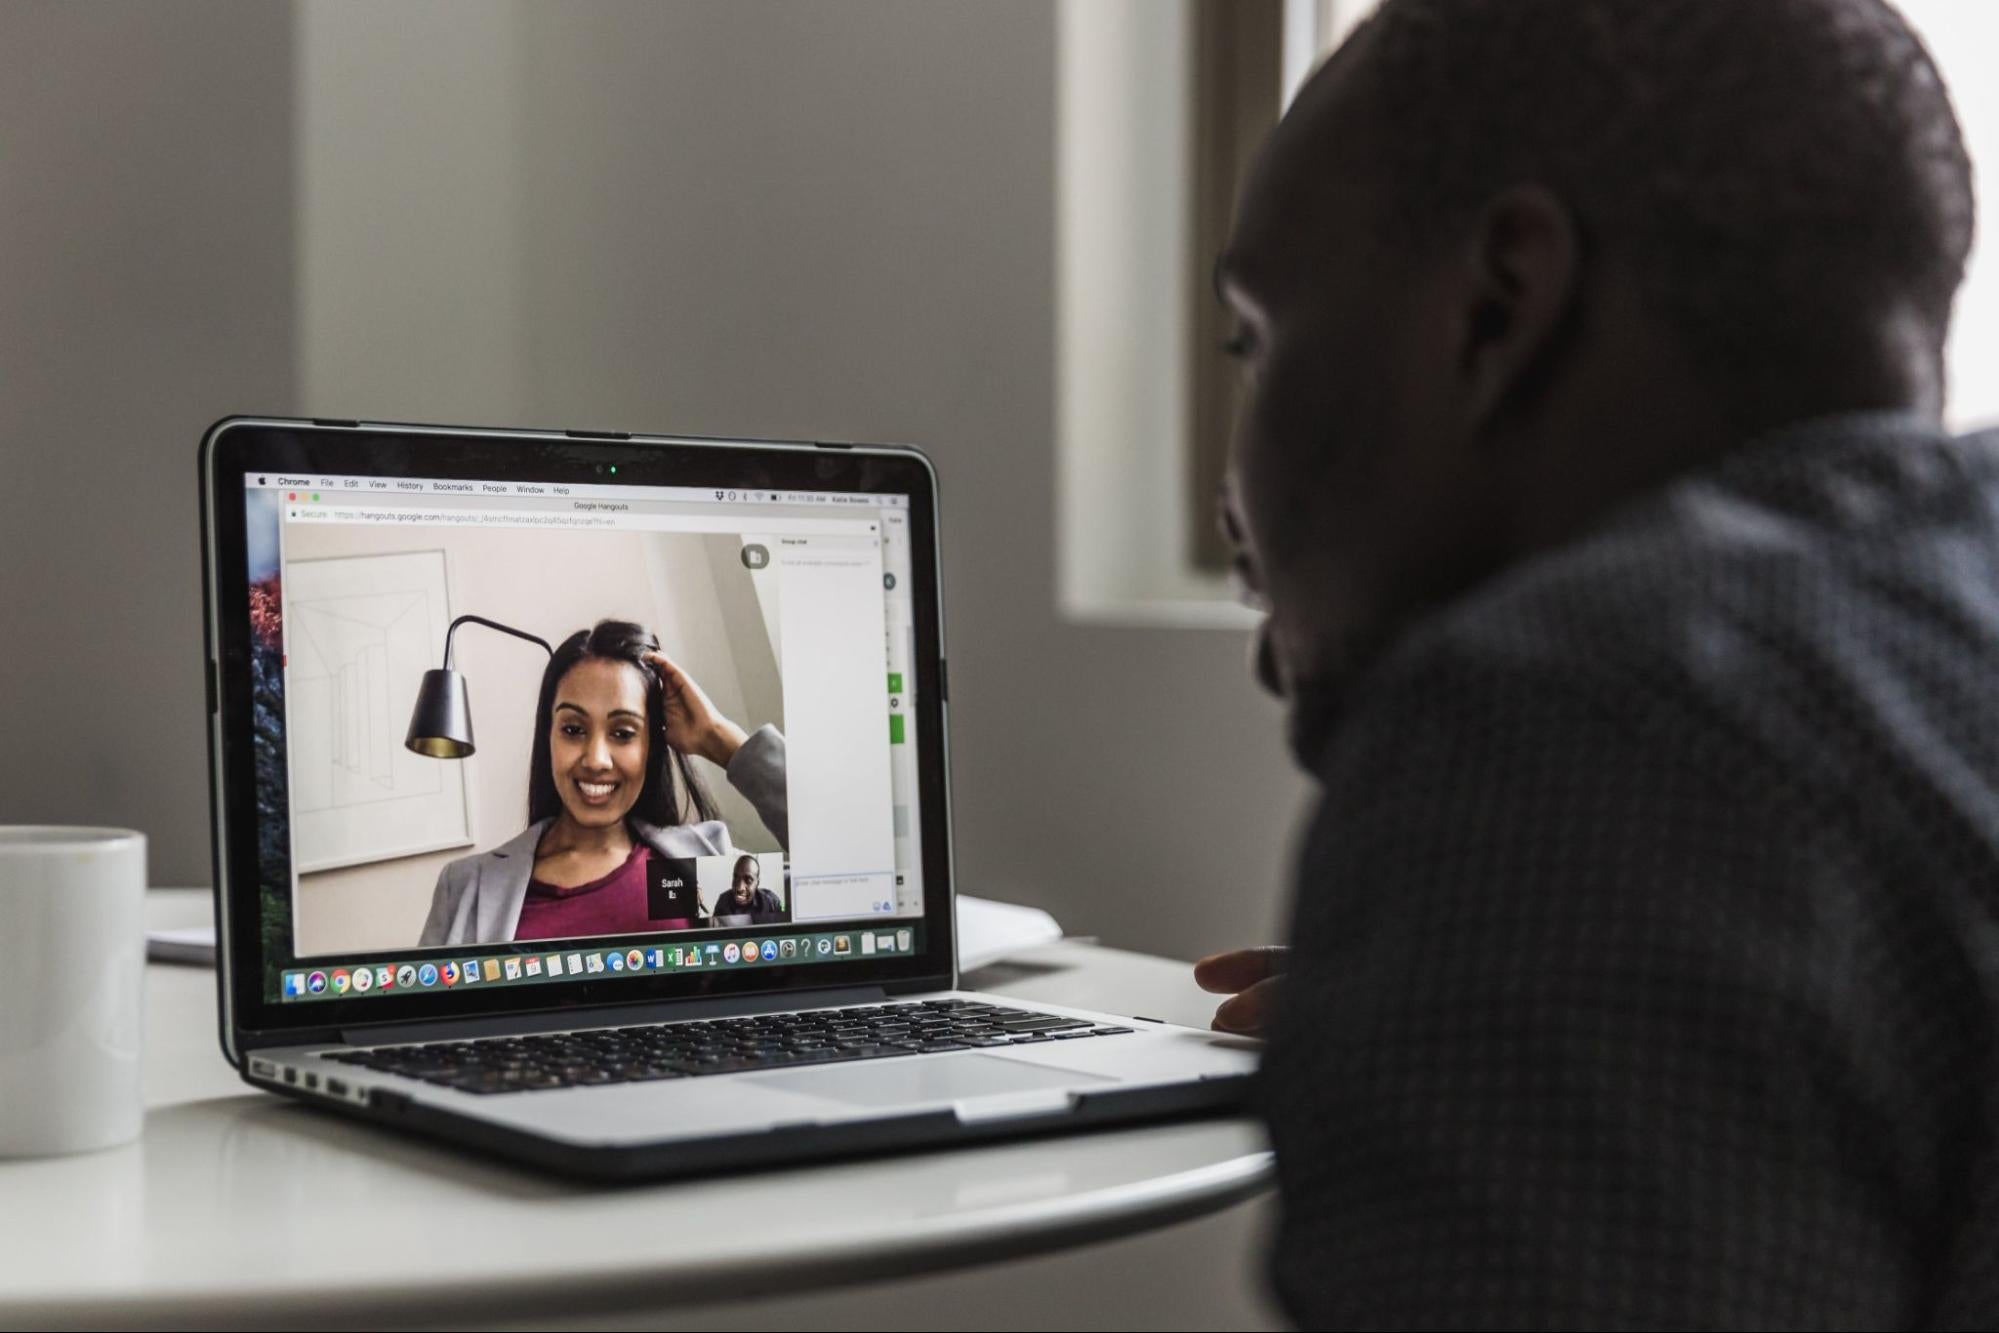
x=989, y=931
x=188, y=944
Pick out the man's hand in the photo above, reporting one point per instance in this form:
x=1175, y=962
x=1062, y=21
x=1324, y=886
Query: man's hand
x=1252, y=976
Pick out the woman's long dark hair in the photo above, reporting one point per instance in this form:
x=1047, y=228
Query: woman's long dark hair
x=662, y=801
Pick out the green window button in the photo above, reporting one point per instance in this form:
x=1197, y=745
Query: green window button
x=895, y=728
x=895, y=682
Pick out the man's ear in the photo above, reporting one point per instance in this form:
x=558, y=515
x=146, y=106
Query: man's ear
x=1522, y=267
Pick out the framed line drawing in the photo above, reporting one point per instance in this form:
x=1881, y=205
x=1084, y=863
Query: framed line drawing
x=360, y=632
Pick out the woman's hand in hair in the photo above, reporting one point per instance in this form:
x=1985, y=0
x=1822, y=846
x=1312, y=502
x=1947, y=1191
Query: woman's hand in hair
x=693, y=726
x=1253, y=977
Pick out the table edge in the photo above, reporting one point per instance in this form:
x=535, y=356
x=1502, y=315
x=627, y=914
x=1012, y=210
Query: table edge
x=922, y=1246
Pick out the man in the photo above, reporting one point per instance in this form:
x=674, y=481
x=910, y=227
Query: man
x=746, y=902
x=1641, y=625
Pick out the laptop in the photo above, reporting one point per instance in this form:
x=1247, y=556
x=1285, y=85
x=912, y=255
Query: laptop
x=583, y=798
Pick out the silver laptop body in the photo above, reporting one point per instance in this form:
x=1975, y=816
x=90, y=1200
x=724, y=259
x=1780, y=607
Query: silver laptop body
x=769, y=974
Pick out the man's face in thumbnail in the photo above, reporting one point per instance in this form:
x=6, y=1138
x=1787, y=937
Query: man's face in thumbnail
x=597, y=740
x=745, y=884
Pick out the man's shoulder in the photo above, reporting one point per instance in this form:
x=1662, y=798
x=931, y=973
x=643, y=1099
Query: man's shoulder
x=1765, y=605
x=1764, y=533
x=1761, y=545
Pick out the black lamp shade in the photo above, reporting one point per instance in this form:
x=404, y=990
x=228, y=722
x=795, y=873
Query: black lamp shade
x=441, y=722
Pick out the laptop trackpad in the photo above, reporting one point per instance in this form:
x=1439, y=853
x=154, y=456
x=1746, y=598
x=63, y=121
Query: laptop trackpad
x=901, y=1082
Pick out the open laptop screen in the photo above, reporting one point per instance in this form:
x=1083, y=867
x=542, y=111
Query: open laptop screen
x=525, y=733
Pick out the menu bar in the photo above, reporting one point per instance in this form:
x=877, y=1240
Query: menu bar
x=315, y=486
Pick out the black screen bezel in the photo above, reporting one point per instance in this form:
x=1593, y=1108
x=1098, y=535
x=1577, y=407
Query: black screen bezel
x=237, y=447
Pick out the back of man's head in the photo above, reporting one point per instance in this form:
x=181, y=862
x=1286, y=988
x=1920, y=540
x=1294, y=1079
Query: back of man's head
x=1786, y=177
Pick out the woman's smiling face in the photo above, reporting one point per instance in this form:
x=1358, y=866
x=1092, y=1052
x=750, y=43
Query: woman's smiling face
x=597, y=740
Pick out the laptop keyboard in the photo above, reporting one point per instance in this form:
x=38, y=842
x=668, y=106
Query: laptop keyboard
x=719, y=1046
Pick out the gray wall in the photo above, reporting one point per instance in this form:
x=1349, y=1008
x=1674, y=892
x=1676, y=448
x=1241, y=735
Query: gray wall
x=145, y=289
x=746, y=218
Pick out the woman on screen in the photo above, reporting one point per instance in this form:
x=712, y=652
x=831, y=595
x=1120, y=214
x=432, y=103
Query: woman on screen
x=609, y=788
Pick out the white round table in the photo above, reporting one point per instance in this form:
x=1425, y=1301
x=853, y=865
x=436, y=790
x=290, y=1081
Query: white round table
x=242, y=1208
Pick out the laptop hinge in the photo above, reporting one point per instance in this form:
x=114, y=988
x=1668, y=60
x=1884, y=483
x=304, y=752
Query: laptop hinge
x=493, y=1025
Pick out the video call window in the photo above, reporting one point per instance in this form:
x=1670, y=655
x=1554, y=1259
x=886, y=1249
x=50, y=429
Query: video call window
x=656, y=717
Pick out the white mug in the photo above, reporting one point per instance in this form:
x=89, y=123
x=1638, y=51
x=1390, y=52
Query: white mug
x=71, y=988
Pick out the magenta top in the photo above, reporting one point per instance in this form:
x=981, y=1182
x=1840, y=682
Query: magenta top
x=612, y=904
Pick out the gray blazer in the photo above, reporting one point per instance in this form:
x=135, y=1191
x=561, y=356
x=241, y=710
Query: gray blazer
x=478, y=897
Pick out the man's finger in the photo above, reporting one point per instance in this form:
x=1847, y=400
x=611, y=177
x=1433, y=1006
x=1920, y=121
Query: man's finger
x=1250, y=1012
x=1239, y=969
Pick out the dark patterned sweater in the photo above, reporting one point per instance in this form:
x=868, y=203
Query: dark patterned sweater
x=1646, y=943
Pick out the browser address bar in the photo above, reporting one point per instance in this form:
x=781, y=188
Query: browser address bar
x=632, y=522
